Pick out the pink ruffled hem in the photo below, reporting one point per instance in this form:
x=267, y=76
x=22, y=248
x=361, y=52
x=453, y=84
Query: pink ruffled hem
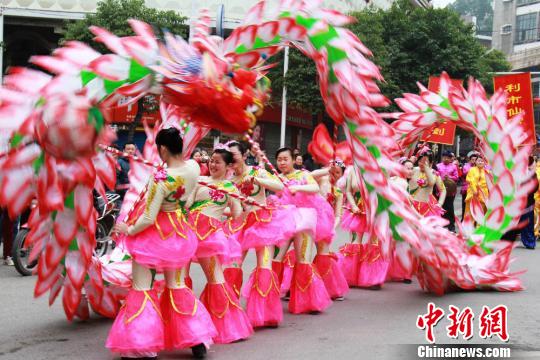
x=373, y=267
x=188, y=322
x=333, y=278
x=349, y=261
x=228, y=316
x=308, y=293
x=129, y=333
x=263, y=305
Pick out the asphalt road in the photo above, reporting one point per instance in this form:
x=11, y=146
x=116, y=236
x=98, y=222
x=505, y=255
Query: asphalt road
x=368, y=324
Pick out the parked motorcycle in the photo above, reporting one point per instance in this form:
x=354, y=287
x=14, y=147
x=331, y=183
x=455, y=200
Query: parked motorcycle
x=107, y=212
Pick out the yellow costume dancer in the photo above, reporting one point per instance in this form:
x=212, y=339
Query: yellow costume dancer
x=476, y=178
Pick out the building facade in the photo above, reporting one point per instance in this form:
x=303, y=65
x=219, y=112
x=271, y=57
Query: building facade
x=516, y=32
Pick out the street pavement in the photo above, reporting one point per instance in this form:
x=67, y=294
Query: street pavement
x=369, y=324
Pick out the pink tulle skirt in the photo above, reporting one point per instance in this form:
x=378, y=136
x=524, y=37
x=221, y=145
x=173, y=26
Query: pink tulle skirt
x=234, y=230
x=355, y=223
x=263, y=304
x=168, y=244
x=308, y=293
x=324, y=229
x=333, y=278
x=228, y=316
x=269, y=227
x=430, y=208
x=373, y=267
x=349, y=261
x=306, y=221
x=212, y=240
x=138, y=328
x=187, y=323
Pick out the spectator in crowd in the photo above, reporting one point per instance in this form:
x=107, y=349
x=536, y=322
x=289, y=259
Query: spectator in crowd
x=205, y=156
x=537, y=202
x=477, y=189
x=252, y=156
x=458, y=167
x=7, y=236
x=296, y=152
x=448, y=172
x=122, y=170
x=6, y=225
x=298, y=162
x=308, y=162
x=464, y=184
x=527, y=232
x=258, y=136
x=198, y=156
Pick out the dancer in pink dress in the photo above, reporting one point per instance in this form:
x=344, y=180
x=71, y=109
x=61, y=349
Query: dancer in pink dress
x=308, y=293
x=215, y=248
x=263, y=230
x=326, y=261
x=421, y=185
x=161, y=239
x=361, y=260
x=354, y=221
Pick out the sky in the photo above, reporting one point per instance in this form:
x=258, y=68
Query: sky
x=441, y=3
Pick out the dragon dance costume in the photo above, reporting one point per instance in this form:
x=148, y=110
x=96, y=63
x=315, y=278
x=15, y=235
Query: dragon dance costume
x=308, y=292
x=215, y=249
x=421, y=188
x=262, y=230
x=361, y=262
x=325, y=261
x=161, y=238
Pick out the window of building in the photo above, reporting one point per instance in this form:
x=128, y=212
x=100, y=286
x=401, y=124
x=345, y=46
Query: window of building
x=506, y=29
x=526, y=2
x=535, y=88
x=526, y=29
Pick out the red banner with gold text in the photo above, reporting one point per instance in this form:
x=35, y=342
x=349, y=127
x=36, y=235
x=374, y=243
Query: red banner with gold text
x=519, y=91
x=446, y=131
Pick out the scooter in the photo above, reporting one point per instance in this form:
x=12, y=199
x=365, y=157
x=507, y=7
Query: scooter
x=107, y=212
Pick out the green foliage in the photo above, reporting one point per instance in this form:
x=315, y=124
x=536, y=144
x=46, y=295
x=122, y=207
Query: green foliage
x=409, y=44
x=482, y=9
x=301, y=81
x=113, y=15
x=492, y=61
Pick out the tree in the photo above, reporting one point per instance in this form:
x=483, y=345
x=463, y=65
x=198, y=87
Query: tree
x=482, y=9
x=113, y=15
x=409, y=44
